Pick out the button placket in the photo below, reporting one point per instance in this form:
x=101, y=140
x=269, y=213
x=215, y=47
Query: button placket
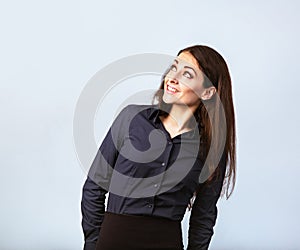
x=167, y=155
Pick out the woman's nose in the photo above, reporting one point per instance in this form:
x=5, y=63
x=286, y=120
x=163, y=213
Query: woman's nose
x=174, y=79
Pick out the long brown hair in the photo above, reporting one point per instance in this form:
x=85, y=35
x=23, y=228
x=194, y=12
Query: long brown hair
x=216, y=72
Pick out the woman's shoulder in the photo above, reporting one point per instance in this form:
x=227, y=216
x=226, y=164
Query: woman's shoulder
x=134, y=109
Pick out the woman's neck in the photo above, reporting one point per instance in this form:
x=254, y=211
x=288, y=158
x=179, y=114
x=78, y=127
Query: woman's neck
x=179, y=118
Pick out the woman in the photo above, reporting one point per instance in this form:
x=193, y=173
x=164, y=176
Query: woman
x=184, y=144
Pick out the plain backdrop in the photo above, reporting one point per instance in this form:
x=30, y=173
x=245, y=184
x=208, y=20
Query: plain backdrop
x=50, y=49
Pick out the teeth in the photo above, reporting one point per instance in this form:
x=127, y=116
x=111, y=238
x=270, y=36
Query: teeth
x=171, y=89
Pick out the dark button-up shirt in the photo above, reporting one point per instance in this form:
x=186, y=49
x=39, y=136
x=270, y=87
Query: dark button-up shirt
x=147, y=172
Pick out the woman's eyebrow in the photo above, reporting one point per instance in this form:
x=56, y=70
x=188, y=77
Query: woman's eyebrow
x=187, y=67
x=191, y=69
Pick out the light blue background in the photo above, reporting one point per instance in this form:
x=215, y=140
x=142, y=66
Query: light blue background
x=50, y=49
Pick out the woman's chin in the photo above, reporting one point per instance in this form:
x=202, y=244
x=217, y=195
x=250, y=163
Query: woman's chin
x=168, y=98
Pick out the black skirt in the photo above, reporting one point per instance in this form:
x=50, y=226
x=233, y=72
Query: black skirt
x=135, y=232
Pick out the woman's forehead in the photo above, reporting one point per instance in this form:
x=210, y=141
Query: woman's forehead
x=188, y=59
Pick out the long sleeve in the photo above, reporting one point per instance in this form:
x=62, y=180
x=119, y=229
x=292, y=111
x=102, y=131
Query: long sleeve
x=96, y=185
x=92, y=209
x=204, y=212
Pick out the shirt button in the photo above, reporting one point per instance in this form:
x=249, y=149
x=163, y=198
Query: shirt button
x=150, y=205
x=163, y=164
x=169, y=142
x=155, y=185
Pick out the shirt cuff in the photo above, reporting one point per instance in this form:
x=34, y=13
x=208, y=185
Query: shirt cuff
x=89, y=245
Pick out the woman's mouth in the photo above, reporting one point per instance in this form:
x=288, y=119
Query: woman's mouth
x=171, y=90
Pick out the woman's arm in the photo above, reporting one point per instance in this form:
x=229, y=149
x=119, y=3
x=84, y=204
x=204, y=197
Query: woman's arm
x=92, y=209
x=96, y=185
x=204, y=212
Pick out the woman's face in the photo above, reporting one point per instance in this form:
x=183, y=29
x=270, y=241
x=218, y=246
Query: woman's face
x=183, y=85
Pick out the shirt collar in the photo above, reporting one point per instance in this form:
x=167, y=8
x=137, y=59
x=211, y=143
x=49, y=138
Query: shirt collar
x=154, y=113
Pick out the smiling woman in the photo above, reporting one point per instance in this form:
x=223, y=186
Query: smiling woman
x=194, y=92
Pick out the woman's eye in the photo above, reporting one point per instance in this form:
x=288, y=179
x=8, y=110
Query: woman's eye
x=187, y=74
x=173, y=68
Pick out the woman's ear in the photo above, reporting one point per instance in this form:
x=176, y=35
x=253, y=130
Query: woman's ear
x=208, y=93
